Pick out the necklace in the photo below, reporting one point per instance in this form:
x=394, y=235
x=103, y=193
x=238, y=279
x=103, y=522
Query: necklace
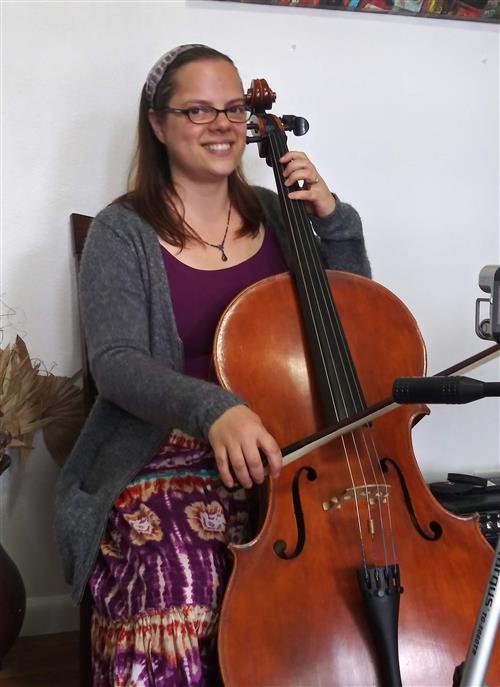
x=219, y=246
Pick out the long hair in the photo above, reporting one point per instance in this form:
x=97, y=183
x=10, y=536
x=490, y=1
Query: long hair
x=150, y=188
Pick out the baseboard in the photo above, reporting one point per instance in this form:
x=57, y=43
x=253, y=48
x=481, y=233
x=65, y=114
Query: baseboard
x=49, y=614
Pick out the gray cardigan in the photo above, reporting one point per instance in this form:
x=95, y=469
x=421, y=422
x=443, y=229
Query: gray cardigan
x=136, y=359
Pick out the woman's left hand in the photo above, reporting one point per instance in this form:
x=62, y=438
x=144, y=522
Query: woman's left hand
x=314, y=192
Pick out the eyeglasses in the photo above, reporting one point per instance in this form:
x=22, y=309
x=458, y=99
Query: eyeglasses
x=205, y=114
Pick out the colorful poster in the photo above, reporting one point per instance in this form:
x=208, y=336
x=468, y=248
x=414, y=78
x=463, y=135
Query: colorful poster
x=473, y=10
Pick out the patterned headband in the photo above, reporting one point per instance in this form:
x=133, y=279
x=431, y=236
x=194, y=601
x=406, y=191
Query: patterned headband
x=158, y=71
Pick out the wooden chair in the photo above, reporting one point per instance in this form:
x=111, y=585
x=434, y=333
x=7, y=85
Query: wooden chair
x=79, y=226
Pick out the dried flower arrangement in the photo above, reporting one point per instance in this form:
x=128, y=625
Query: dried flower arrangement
x=31, y=399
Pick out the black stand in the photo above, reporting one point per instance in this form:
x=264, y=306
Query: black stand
x=471, y=673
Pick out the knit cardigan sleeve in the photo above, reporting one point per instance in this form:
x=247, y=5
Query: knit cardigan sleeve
x=340, y=234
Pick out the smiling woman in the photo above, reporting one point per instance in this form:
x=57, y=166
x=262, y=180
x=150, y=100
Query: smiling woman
x=200, y=146
x=144, y=514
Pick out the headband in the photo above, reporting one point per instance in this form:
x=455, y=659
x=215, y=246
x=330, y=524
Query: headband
x=157, y=72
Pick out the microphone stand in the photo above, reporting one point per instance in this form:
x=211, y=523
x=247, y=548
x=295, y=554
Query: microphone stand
x=444, y=389
x=471, y=673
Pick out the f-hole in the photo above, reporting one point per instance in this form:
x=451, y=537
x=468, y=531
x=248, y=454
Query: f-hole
x=280, y=545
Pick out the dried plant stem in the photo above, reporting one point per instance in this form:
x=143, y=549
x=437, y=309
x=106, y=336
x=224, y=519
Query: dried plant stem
x=30, y=401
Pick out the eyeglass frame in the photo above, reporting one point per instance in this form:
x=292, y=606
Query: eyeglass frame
x=185, y=111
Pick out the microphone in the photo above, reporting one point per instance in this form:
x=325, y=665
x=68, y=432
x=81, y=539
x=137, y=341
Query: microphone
x=442, y=389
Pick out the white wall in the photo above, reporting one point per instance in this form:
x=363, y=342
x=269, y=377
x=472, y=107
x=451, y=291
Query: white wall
x=404, y=117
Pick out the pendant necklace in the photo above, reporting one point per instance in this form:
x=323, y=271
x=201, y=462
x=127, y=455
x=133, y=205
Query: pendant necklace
x=219, y=246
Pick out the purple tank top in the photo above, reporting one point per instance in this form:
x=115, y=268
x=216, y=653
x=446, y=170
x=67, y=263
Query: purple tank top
x=199, y=298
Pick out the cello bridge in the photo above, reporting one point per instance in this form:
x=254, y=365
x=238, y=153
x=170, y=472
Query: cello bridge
x=373, y=493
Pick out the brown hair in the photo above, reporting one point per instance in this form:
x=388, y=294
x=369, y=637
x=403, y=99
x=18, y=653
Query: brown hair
x=150, y=188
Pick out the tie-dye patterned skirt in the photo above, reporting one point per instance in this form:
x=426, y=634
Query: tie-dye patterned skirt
x=161, y=572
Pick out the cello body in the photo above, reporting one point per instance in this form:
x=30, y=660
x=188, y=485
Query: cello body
x=293, y=614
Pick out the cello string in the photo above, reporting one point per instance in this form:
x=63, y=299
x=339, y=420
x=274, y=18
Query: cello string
x=315, y=314
x=306, y=238
x=324, y=341
x=307, y=233
x=340, y=340
x=364, y=431
x=318, y=277
x=337, y=332
x=388, y=504
x=290, y=209
x=326, y=313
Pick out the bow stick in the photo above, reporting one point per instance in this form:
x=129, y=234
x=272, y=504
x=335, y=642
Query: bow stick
x=294, y=451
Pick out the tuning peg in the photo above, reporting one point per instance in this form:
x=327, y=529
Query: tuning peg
x=299, y=125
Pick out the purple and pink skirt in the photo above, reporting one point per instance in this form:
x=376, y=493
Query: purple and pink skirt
x=161, y=572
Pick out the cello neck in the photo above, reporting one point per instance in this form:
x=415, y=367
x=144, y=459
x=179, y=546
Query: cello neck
x=335, y=375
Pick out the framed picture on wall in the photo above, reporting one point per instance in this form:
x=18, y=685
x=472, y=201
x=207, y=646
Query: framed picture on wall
x=473, y=10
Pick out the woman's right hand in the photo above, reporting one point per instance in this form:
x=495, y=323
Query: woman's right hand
x=237, y=438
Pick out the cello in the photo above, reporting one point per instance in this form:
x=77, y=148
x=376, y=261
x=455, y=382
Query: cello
x=356, y=576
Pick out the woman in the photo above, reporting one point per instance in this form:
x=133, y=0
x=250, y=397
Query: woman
x=143, y=515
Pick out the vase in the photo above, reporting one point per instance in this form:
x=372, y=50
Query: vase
x=12, y=602
x=12, y=592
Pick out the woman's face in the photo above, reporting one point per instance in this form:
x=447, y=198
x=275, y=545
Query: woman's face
x=203, y=152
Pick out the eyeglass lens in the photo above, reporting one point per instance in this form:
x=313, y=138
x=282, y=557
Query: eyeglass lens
x=203, y=115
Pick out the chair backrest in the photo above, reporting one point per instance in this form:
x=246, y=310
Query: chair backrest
x=80, y=225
